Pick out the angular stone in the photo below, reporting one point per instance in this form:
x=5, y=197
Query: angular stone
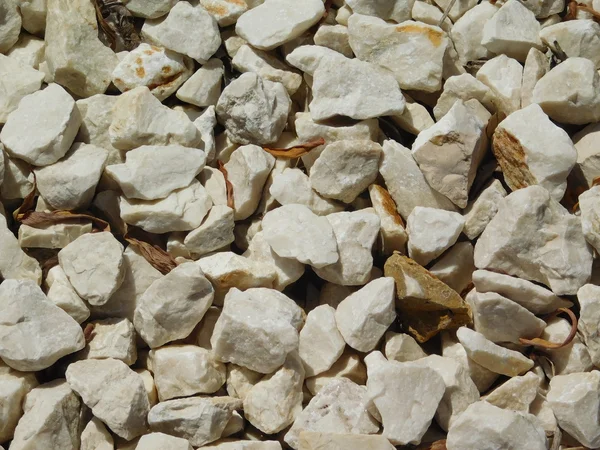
x=257, y=329
x=589, y=206
x=574, y=399
x=51, y=236
x=576, y=102
x=512, y=31
x=33, y=13
x=340, y=407
x=112, y=338
x=188, y=30
x=240, y=380
x=499, y=428
x=76, y=57
x=462, y=87
x=516, y=394
x=396, y=10
x=97, y=114
x=294, y=231
x=310, y=440
x=11, y=25
x=392, y=233
x=491, y=356
x=456, y=10
x=413, y=51
x=51, y=418
x=14, y=262
x=524, y=239
x=152, y=172
x=355, y=233
x=334, y=37
x=185, y=370
x=467, y=32
x=504, y=76
x=16, y=81
x=589, y=318
x=402, y=348
x=206, y=124
x=182, y=210
x=429, y=14
x=94, y=265
x=95, y=436
x=456, y=267
x=215, y=232
x=431, y=231
x=308, y=57
x=140, y=119
x=61, y=293
x=54, y=114
x=173, y=305
x=278, y=21
x=235, y=444
x=537, y=64
x=204, y=86
x=406, y=183
x=160, y=70
x=585, y=142
x=535, y=298
x=406, y=396
x=162, y=441
x=347, y=366
x=577, y=38
x=150, y=9
x=226, y=12
x=253, y=110
x=13, y=389
x=114, y=392
x=415, y=117
x=573, y=357
x=482, y=210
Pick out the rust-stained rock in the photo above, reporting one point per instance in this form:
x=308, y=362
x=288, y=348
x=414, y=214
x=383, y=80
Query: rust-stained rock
x=425, y=304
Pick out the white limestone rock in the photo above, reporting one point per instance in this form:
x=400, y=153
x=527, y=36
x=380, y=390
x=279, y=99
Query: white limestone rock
x=70, y=183
x=53, y=113
x=535, y=238
x=14, y=262
x=456, y=267
x=413, y=51
x=355, y=233
x=430, y=14
x=204, y=86
x=458, y=9
x=482, y=209
x=334, y=37
x=112, y=338
x=589, y=319
x=51, y=418
x=516, y=394
x=498, y=428
x=227, y=12
x=96, y=112
x=573, y=357
x=200, y=420
x=449, y=153
x=206, y=123
x=585, y=142
x=537, y=64
x=16, y=81
x=257, y=329
x=345, y=168
x=310, y=440
x=140, y=119
x=364, y=317
x=276, y=401
x=95, y=436
x=182, y=210
x=405, y=395
x=576, y=102
x=467, y=32
x=10, y=26
x=491, y=356
x=320, y=344
x=535, y=298
x=51, y=235
x=347, y=366
x=61, y=293
x=173, y=305
x=94, y=265
x=252, y=444
x=462, y=87
x=114, y=392
x=14, y=386
x=276, y=22
x=34, y=332
x=339, y=407
x=185, y=370
x=415, y=117
x=396, y=10
x=76, y=57
x=402, y=347
x=152, y=172
x=512, y=31
x=406, y=183
x=33, y=14
x=392, y=233
x=247, y=171
x=577, y=38
x=308, y=57
x=431, y=231
x=150, y=9
x=502, y=320
x=160, y=70
x=215, y=232
x=545, y=157
x=504, y=76
x=162, y=441
x=240, y=380
x=574, y=399
x=294, y=231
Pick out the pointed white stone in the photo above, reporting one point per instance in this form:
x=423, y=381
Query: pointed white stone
x=17, y=81
x=112, y=338
x=482, y=209
x=215, y=232
x=95, y=436
x=240, y=380
x=162, y=441
x=392, y=233
x=396, y=10
x=334, y=37
x=456, y=267
x=150, y=9
x=458, y=9
x=537, y=64
x=348, y=366
x=204, y=86
x=402, y=347
x=589, y=318
x=462, y=87
x=516, y=394
x=60, y=292
x=504, y=76
x=14, y=387
x=467, y=32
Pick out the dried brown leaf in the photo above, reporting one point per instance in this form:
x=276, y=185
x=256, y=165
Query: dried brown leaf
x=595, y=14
x=28, y=202
x=296, y=151
x=88, y=332
x=228, y=185
x=37, y=219
x=542, y=343
x=156, y=256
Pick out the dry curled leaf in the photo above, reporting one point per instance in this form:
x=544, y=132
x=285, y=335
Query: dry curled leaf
x=37, y=219
x=28, y=202
x=88, y=332
x=156, y=256
x=296, y=151
x=228, y=184
x=542, y=343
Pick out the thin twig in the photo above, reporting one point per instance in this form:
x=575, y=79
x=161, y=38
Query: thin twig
x=446, y=12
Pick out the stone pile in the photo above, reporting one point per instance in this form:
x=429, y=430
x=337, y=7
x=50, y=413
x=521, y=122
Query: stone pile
x=305, y=224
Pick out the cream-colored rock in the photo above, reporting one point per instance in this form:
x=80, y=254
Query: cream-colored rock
x=215, y=232
x=160, y=70
x=29, y=50
x=458, y=9
x=498, y=428
x=173, y=305
x=577, y=102
x=51, y=236
x=334, y=37
x=114, y=392
x=456, y=267
x=150, y=9
x=206, y=123
x=491, y=356
x=54, y=114
x=185, y=370
x=13, y=389
x=585, y=142
x=16, y=81
x=355, y=233
x=204, y=86
x=347, y=366
x=415, y=117
x=33, y=13
x=504, y=76
x=340, y=407
x=589, y=319
x=182, y=210
x=278, y=21
x=310, y=440
x=320, y=344
x=188, y=30
x=240, y=380
x=573, y=357
x=535, y=298
x=257, y=329
x=226, y=12
x=467, y=32
x=392, y=233
x=253, y=110
x=517, y=394
x=227, y=444
x=162, y=441
x=577, y=38
x=396, y=10
x=430, y=14
x=480, y=211
x=200, y=420
x=149, y=385
x=95, y=436
x=463, y=87
x=537, y=64
x=97, y=113
x=402, y=347
x=76, y=57
x=112, y=338
x=14, y=262
x=17, y=177
x=529, y=238
x=588, y=205
x=61, y=293
x=11, y=25
x=93, y=264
